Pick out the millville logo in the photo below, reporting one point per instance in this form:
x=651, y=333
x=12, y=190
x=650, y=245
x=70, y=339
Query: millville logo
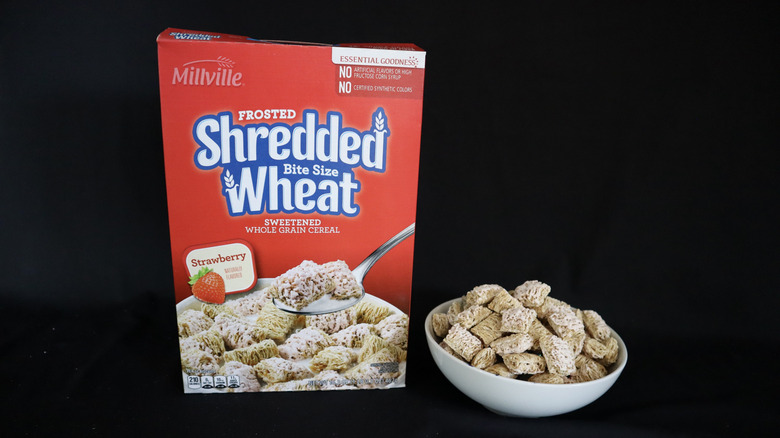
x=217, y=72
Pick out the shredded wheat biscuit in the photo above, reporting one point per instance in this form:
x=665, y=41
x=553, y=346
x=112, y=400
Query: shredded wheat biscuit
x=532, y=293
x=525, y=363
x=473, y=315
x=517, y=319
x=463, y=342
x=484, y=358
x=489, y=329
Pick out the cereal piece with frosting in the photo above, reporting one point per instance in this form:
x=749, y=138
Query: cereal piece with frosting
x=302, y=285
x=517, y=319
x=331, y=323
x=346, y=286
x=525, y=363
x=353, y=335
x=515, y=343
x=441, y=324
x=247, y=380
x=277, y=369
x=250, y=304
x=473, y=316
x=587, y=369
x=502, y=301
x=482, y=295
x=549, y=378
x=489, y=329
x=254, y=353
x=532, y=293
x=500, y=369
x=484, y=358
x=454, y=310
x=558, y=354
x=595, y=325
x=305, y=344
x=193, y=321
x=336, y=358
x=238, y=333
x=395, y=329
x=463, y=342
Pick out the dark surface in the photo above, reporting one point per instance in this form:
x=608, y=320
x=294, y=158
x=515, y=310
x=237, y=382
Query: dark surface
x=627, y=155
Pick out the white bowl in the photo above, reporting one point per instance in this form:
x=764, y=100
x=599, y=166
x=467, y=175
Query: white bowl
x=519, y=398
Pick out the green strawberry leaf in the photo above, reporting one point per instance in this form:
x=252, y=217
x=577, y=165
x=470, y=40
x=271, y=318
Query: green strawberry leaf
x=203, y=271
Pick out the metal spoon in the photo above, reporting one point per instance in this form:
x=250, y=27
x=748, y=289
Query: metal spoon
x=327, y=304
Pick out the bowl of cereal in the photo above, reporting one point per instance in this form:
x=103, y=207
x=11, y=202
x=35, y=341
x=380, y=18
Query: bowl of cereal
x=522, y=353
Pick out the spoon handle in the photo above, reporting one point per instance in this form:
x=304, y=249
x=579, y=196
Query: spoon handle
x=362, y=269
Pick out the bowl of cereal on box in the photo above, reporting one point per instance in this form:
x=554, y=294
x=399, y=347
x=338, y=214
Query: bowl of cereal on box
x=523, y=353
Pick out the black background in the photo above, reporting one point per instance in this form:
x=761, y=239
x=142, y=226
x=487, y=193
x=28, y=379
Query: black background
x=626, y=153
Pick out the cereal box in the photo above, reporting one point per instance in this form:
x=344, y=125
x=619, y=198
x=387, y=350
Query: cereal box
x=291, y=173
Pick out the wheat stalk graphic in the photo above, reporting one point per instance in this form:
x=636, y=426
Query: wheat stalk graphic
x=229, y=181
x=221, y=61
x=379, y=121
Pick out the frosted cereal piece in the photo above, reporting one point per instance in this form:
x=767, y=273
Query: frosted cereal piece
x=473, y=316
x=484, y=358
x=596, y=325
x=558, y=354
x=333, y=358
x=378, y=370
x=346, y=286
x=452, y=313
x=532, y=293
x=612, y=352
x=517, y=319
x=525, y=363
x=538, y=330
x=370, y=313
x=331, y=323
x=193, y=321
x=503, y=301
x=250, y=304
x=550, y=306
x=463, y=342
x=489, y=329
x=276, y=369
x=395, y=329
x=247, y=380
x=449, y=350
x=595, y=349
x=516, y=343
x=440, y=324
x=587, y=370
x=238, y=333
x=254, y=353
x=549, y=378
x=305, y=344
x=353, y=335
x=373, y=344
x=568, y=327
x=482, y=295
x=201, y=352
x=276, y=323
x=302, y=285
x=501, y=370
x=212, y=310
x=198, y=362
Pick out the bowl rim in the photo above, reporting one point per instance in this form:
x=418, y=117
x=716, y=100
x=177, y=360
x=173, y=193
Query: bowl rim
x=613, y=374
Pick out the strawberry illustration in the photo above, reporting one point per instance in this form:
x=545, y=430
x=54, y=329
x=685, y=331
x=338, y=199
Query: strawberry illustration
x=208, y=286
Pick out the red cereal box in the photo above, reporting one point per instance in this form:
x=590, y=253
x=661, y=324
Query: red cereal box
x=291, y=173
